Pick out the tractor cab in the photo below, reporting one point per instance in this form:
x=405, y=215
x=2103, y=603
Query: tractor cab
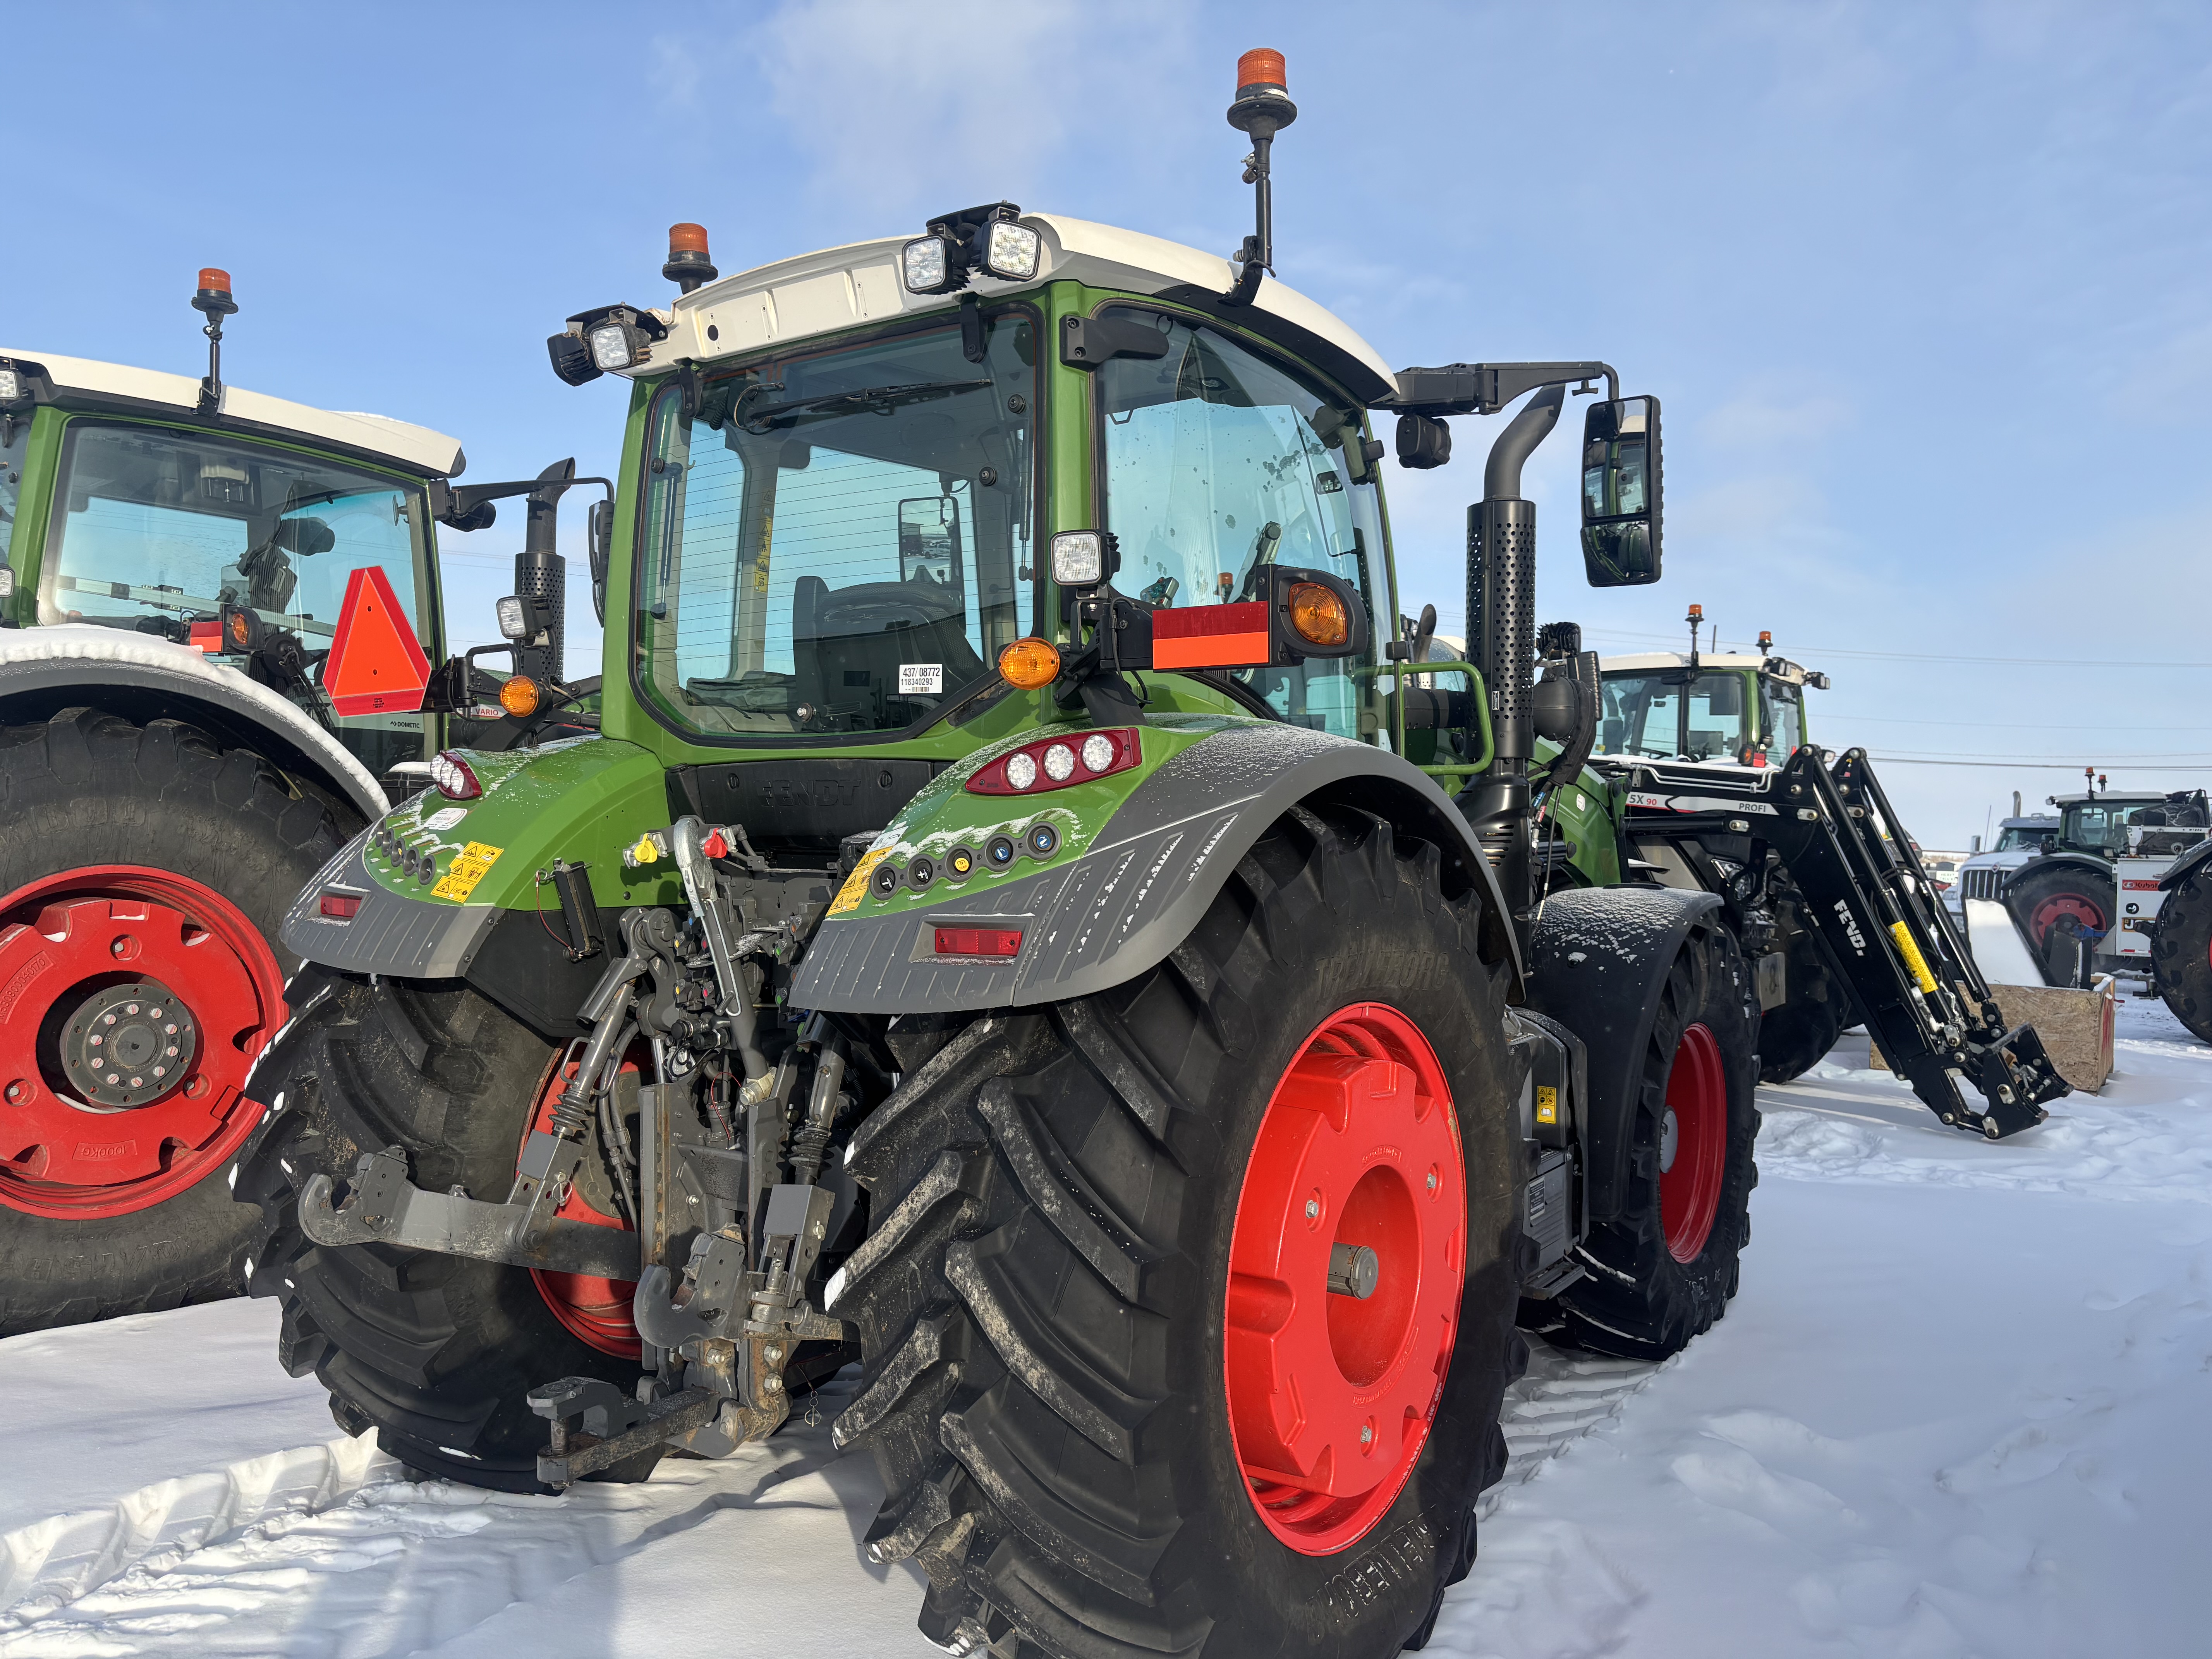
x=1737, y=708
x=235, y=533
x=2098, y=824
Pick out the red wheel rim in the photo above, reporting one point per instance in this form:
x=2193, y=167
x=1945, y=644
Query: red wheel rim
x=66, y=941
x=592, y=1309
x=1331, y=1397
x=1693, y=1147
x=2047, y=914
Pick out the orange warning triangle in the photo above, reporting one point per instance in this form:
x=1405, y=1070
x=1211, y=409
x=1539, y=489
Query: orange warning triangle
x=376, y=666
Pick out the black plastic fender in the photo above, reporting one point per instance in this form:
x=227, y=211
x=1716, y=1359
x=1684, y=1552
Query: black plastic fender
x=1596, y=954
x=2196, y=858
x=2085, y=862
x=1142, y=884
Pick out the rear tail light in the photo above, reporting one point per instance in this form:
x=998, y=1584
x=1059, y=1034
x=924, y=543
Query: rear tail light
x=453, y=776
x=340, y=906
x=1056, y=763
x=979, y=941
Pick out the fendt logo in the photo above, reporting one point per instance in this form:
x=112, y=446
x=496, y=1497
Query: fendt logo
x=1851, y=927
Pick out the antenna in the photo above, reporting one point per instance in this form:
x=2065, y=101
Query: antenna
x=214, y=303
x=1263, y=109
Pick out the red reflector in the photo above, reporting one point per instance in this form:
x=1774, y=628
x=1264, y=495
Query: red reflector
x=1211, y=635
x=207, y=636
x=341, y=907
x=979, y=941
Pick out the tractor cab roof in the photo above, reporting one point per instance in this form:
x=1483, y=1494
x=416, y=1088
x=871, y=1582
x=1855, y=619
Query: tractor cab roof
x=1645, y=662
x=842, y=288
x=119, y=388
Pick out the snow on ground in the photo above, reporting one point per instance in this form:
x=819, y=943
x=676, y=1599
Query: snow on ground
x=1957, y=1409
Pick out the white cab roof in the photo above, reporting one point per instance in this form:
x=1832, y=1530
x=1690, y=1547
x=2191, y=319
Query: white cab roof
x=1647, y=661
x=416, y=447
x=842, y=288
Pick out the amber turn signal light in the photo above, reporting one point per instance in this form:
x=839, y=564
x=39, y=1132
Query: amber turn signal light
x=1029, y=663
x=1318, y=615
x=520, y=696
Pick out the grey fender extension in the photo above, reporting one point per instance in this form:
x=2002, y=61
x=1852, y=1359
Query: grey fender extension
x=1136, y=892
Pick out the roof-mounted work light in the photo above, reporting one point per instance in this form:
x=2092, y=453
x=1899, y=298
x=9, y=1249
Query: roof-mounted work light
x=609, y=340
x=991, y=239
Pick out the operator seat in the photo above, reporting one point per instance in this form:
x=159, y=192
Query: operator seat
x=849, y=644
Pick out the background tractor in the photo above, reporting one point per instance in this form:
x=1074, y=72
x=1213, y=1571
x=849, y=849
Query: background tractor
x=218, y=610
x=1000, y=935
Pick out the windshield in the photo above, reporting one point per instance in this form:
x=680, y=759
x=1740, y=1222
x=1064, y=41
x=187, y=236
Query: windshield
x=838, y=543
x=1217, y=462
x=157, y=530
x=2102, y=825
x=1667, y=713
x=2017, y=837
x=1781, y=718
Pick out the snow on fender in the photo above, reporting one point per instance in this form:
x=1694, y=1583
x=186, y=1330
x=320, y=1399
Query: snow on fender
x=37, y=659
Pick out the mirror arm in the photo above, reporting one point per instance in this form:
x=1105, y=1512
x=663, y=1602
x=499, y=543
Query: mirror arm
x=1485, y=388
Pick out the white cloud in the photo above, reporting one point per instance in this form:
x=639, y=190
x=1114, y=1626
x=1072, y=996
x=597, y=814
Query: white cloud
x=902, y=109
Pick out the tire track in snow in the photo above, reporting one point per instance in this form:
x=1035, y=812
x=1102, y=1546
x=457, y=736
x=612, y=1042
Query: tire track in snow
x=384, y=1565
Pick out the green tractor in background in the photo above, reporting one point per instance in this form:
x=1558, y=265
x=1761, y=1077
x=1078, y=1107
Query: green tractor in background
x=1011, y=931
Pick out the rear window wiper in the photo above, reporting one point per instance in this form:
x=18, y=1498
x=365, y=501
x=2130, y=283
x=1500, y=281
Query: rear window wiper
x=877, y=399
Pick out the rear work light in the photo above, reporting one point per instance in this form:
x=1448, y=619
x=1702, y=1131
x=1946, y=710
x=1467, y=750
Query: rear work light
x=979, y=941
x=340, y=906
x=1056, y=763
x=454, y=778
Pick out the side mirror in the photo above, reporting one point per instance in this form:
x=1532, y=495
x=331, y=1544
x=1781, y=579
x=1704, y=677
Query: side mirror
x=599, y=533
x=1620, y=493
x=305, y=536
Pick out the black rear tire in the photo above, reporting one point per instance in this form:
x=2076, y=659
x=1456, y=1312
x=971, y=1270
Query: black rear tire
x=2181, y=951
x=89, y=789
x=436, y=1352
x=1638, y=1301
x=1041, y=1300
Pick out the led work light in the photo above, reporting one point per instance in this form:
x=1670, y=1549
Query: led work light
x=991, y=239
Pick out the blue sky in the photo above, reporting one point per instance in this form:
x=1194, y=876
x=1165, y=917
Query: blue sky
x=1923, y=287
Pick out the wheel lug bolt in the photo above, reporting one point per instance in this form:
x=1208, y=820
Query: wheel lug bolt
x=1366, y=1434
x=129, y=1007
x=95, y=1039
x=107, y=1019
x=1432, y=1180
x=170, y=1029
x=15, y=1092
x=1313, y=1209
x=153, y=1013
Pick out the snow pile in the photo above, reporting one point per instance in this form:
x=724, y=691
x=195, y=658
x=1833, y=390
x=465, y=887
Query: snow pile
x=1957, y=1409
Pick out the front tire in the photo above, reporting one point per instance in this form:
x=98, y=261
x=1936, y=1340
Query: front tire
x=2041, y=897
x=2181, y=951
x=1662, y=1270
x=1046, y=1299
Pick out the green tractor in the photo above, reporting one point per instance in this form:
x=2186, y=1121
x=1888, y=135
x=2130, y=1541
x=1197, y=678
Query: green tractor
x=998, y=937
x=218, y=615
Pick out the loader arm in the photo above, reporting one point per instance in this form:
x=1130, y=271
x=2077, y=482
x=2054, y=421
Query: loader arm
x=1926, y=1004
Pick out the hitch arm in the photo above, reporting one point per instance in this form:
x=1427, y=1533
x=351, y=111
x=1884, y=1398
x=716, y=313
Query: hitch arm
x=383, y=1207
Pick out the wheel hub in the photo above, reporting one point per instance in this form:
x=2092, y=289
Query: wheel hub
x=1346, y=1268
x=129, y=1045
x=1670, y=1140
x=116, y=1092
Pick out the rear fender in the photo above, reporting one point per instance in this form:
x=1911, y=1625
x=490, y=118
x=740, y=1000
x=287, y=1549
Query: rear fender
x=1596, y=960
x=2083, y=862
x=1133, y=870
x=44, y=670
